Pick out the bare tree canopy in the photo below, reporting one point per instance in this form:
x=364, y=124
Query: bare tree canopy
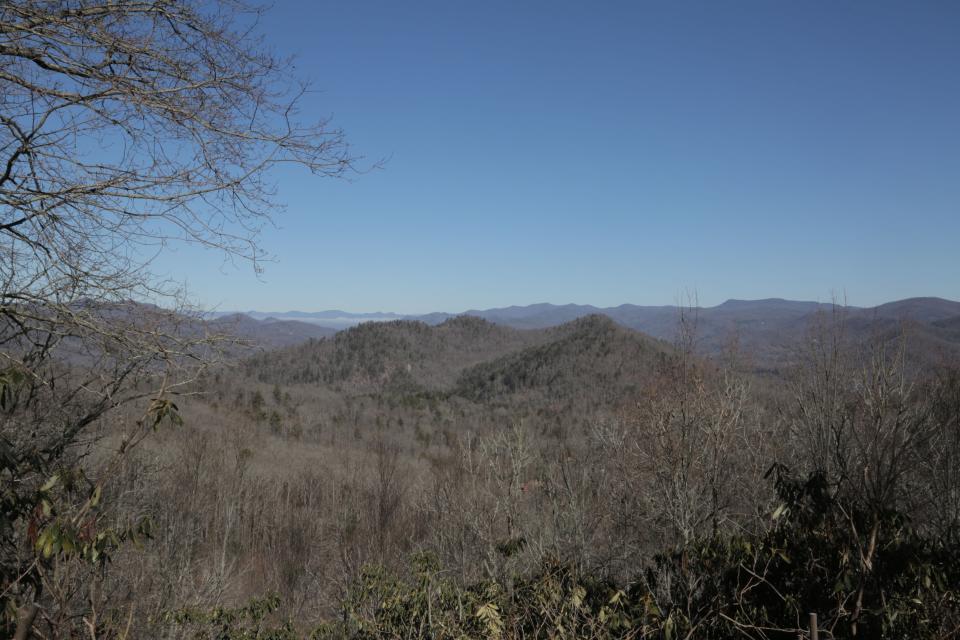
x=124, y=125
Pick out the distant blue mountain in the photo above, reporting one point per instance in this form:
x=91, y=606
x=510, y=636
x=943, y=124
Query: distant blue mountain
x=758, y=325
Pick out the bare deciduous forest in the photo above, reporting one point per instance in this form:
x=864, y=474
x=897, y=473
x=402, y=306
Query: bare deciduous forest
x=164, y=478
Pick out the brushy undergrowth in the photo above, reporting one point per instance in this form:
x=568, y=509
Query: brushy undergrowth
x=866, y=574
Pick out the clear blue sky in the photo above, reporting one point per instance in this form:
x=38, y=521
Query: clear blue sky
x=616, y=152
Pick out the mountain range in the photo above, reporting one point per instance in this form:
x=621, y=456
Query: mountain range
x=766, y=329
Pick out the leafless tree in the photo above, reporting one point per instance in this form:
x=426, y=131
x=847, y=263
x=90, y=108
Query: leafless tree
x=861, y=420
x=124, y=126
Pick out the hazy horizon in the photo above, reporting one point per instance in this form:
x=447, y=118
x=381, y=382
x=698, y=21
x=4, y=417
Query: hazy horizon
x=678, y=303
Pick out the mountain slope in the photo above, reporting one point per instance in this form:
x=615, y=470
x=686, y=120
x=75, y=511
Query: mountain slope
x=917, y=309
x=399, y=354
x=269, y=333
x=591, y=360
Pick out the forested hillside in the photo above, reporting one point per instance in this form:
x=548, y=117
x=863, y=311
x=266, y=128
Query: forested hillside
x=616, y=361
x=469, y=478
x=381, y=355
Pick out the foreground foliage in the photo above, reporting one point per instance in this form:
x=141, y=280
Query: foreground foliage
x=865, y=578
